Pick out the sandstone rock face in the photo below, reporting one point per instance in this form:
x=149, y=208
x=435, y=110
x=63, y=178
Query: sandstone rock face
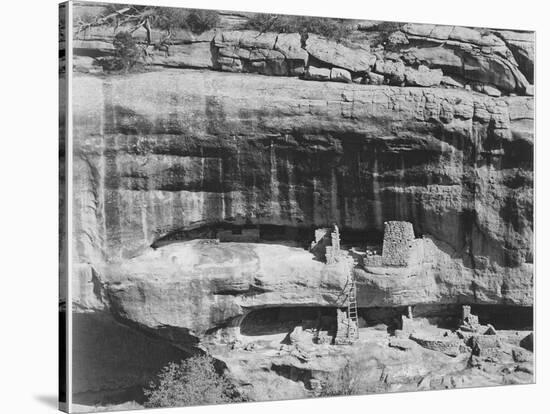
x=473, y=54
x=174, y=151
x=193, y=55
x=522, y=45
x=164, y=153
x=457, y=33
x=501, y=59
x=185, y=289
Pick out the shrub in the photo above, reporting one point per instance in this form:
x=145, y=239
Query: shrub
x=195, y=20
x=199, y=21
x=193, y=381
x=347, y=381
x=331, y=28
x=126, y=56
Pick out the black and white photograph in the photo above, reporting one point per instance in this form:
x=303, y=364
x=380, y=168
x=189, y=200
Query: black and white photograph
x=269, y=206
x=241, y=207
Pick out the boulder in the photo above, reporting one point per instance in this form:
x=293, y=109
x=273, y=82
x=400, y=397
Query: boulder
x=393, y=71
x=527, y=342
x=319, y=74
x=423, y=76
x=485, y=346
x=229, y=64
x=340, y=75
x=401, y=344
x=450, y=81
x=375, y=78
x=491, y=91
x=436, y=56
x=521, y=355
x=289, y=44
x=355, y=59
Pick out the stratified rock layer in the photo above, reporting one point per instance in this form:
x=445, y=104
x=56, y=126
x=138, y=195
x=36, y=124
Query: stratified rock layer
x=161, y=152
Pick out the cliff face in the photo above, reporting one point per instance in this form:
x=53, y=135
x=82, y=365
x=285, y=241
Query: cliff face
x=164, y=152
x=161, y=152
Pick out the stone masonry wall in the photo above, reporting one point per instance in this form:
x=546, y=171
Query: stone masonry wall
x=398, y=239
x=247, y=235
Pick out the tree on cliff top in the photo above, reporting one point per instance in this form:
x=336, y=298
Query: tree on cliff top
x=132, y=17
x=193, y=381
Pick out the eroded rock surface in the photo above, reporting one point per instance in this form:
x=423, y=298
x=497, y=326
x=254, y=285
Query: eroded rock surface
x=180, y=150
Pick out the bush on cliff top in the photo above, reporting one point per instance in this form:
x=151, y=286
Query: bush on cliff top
x=331, y=28
x=191, y=382
x=195, y=20
x=128, y=56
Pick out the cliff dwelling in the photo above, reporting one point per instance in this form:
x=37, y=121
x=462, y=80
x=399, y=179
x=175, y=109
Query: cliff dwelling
x=279, y=322
x=290, y=204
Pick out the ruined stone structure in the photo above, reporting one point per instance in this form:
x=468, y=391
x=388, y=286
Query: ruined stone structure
x=398, y=241
x=320, y=235
x=326, y=245
x=470, y=322
x=322, y=241
x=399, y=249
x=245, y=235
x=346, y=331
x=333, y=252
x=409, y=324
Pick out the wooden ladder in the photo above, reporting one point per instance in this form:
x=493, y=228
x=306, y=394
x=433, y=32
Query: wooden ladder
x=353, y=334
